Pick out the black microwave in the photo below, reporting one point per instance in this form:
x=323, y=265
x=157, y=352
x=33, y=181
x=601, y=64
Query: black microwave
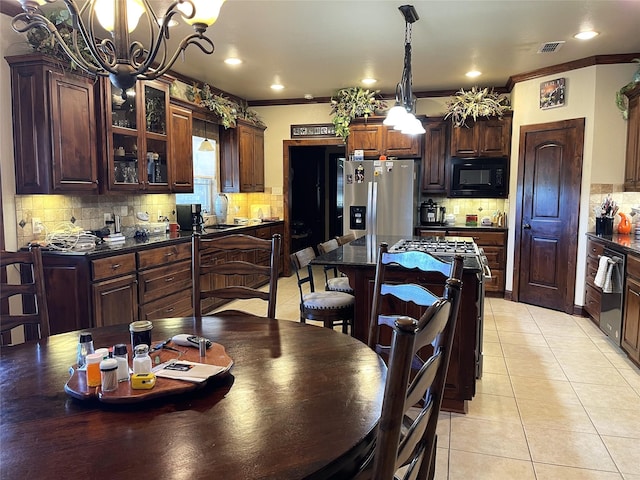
x=484, y=177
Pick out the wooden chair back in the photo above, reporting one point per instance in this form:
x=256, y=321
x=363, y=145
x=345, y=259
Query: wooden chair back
x=342, y=239
x=404, y=440
x=326, y=247
x=27, y=268
x=229, y=267
x=301, y=260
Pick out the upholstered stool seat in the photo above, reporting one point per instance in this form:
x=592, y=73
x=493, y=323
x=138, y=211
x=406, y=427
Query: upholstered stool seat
x=339, y=284
x=328, y=300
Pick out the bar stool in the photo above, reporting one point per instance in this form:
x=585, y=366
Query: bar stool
x=330, y=308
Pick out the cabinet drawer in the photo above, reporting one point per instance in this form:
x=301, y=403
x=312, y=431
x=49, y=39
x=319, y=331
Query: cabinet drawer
x=592, y=302
x=264, y=232
x=433, y=233
x=495, y=256
x=113, y=266
x=164, y=255
x=633, y=266
x=594, y=249
x=162, y=281
x=496, y=282
x=592, y=269
x=480, y=238
x=176, y=305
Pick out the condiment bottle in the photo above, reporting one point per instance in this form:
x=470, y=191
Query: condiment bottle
x=142, y=360
x=93, y=369
x=85, y=346
x=120, y=354
x=103, y=351
x=109, y=374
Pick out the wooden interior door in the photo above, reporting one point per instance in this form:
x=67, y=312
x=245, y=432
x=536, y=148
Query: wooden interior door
x=547, y=209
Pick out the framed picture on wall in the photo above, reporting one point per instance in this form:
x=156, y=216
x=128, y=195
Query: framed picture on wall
x=313, y=130
x=552, y=93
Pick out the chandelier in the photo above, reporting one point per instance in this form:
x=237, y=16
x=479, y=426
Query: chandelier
x=124, y=61
x=402, y=115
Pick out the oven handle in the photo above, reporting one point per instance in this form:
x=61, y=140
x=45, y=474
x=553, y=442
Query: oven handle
x=484, y=261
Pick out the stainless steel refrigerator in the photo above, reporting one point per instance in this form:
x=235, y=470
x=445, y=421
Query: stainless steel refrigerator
x=380, y=197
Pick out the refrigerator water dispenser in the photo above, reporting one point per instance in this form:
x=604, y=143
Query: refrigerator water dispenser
x=357, y=217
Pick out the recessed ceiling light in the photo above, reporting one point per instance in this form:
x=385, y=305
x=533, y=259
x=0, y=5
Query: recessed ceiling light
x=232, y=61
x=277, y=86
x=473, y=73
x=369, y=81
x=586, y=35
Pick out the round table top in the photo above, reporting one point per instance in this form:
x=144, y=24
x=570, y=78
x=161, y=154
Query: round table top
x=300, y=402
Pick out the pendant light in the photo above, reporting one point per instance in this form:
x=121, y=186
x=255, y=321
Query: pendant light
x=401, y=116
x=205, y=146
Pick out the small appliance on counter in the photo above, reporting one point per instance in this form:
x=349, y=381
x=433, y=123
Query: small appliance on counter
x=189, y=217
x=431, y=213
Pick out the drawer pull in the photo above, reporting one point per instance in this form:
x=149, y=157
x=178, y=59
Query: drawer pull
x=169, y=310
x=169, y=254
x=115, y=266
x=169, y=279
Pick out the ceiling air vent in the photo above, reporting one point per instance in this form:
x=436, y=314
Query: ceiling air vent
x=551, y=47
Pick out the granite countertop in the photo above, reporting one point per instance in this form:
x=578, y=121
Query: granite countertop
x=628, y=243
x=363, y=252
x=105, y=249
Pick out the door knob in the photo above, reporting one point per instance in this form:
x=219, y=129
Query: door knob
x=526, y=226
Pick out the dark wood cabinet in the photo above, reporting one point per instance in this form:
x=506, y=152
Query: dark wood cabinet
x=593, y=294
x=114, y=290
x=136, y=148
x=54, y=127
x=482, y=138
x=375, y=139
x=181, y=150
x=632, y=164
x=631, y=321
x=242, y=158
x=435, y=156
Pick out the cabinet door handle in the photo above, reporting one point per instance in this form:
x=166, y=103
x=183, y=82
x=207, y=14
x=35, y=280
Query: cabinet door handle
x=526, y=226
x=637, y=294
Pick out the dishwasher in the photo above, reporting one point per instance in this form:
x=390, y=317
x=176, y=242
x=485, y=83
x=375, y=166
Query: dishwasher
x=612, y=303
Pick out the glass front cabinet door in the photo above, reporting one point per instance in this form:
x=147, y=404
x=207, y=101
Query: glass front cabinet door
x=137, y=137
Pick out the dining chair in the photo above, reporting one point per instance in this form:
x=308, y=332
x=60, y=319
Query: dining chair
x=231, y=267
x=329, y=307
x=344, y=239
x=406, y=434
x=339, y=282
x=23, y=278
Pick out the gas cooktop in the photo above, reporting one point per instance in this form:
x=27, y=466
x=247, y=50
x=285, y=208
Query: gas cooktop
x=437, y=245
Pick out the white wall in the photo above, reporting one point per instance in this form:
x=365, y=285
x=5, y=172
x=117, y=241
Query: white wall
x=590, y=94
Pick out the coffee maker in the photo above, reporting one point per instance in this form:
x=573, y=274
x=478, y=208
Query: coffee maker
x=189, y=217
x=431, y=213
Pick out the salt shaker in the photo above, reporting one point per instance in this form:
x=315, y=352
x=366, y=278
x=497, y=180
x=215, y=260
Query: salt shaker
x=85, y=346
x=120, y=354
x=142, y=360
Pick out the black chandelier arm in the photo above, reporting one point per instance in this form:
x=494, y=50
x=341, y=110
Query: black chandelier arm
x=204, y=43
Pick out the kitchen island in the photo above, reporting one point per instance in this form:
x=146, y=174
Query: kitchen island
x=357, y=260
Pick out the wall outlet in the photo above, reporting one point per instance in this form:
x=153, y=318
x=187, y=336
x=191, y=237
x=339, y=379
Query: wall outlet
x=108, y=217
x=37, y=225
x=456, y=209
x=124, y=211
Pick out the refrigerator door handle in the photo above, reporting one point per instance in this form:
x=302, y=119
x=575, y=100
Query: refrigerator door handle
x=374, y=210
x=369, y=215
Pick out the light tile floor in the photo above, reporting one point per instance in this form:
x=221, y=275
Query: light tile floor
x=556, y=400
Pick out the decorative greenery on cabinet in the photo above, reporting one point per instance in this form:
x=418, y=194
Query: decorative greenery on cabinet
x=476, y=103
x=349, y=103
x=226, y=109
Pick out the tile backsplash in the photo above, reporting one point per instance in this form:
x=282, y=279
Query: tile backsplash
x=625, y=201
x=56, y=211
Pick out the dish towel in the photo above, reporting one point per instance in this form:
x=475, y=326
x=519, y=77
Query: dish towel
x=611, y=279
x=601, y=274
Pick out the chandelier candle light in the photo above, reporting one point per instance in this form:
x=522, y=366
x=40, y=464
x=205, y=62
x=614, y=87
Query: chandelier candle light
x=122, y=60
x=402, y=115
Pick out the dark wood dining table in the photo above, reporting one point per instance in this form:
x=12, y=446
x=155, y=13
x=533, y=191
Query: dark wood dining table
x=299, y=402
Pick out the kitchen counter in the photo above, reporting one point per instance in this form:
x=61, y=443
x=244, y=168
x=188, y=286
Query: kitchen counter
x=628, y=243
x=135, y=244
x=462, y=226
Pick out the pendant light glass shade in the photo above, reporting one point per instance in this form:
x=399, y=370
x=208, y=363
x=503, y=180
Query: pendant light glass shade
x=207, y=12
x=205, y=146
x=105, y=13
x=395, y=115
